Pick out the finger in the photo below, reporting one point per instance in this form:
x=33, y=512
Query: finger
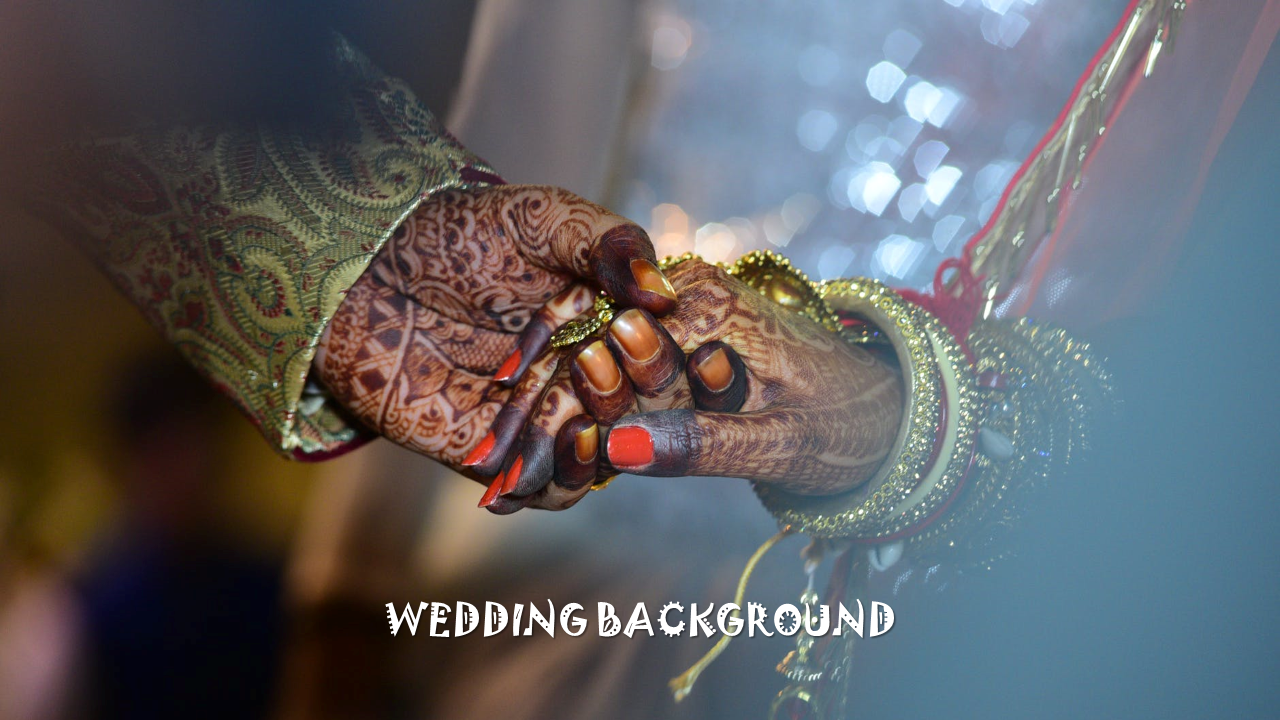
x=491, y=494
x=577, y=453
x=770, y=445
x=533, y=459
x=577, y=450
x=506, y=505
x=495, y=500
x=650, y=359
x=489, y=457
x=717, y=378
x=624, y=264
x=536, y=336
x=599, y=383
x=563, y=232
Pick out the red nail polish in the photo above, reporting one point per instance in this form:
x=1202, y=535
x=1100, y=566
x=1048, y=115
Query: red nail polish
x=630, y=447
x=481, y=453
x=491, y=494
x=509, y=368
x=513, y=475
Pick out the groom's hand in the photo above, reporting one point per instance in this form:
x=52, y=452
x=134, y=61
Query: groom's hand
x=468, y=291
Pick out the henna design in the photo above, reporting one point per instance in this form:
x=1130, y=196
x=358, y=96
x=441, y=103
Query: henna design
x=397, y=378
x=817, y=415
x=820, y=415
x=537, y=334
x=537, y=442
x=411, y=350
x=457, y=256
x=514, y=415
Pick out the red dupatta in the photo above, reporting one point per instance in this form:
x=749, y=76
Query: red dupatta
x=1099, y=209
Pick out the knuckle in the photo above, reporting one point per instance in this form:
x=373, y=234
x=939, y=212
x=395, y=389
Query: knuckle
x=689, y=440
x=692, y=271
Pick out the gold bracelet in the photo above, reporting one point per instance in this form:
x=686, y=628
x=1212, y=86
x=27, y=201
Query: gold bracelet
x=975, y=428
x=581, y=328
x=1043, y=391
x=1015, y=413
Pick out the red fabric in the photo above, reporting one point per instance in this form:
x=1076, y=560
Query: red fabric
x=1117, y=236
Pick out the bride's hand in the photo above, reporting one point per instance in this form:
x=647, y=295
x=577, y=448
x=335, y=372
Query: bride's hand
x=765, y=394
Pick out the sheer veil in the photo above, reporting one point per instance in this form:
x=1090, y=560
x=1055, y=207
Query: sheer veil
x=1119, y=231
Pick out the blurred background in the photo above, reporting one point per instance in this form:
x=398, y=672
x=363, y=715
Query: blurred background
x=156, y=558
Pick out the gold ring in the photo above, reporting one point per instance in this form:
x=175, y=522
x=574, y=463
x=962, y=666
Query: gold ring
x=575, y=331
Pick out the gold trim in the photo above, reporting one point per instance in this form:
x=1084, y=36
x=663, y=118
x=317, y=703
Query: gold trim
x=602, y=484
x=1031, y=211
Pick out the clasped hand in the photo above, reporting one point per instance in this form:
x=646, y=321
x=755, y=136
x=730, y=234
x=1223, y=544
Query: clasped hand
x=442, y=347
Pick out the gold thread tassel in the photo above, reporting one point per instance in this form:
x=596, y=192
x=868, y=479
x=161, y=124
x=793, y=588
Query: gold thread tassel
x=681, y=686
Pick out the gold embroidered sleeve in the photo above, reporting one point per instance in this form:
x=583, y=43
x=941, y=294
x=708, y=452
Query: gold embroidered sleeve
x=239, y=244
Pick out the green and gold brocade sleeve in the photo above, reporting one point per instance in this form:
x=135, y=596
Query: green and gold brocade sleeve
x=239, y=243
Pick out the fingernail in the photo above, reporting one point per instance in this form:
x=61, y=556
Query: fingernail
x=630, y=446
x=513, y=475
x=598, y=365
x=586, y=443
x=509, y=368
x=477, y=456
x=491, y=495
x=715, y=371
x=651, y=279
x=634, y=333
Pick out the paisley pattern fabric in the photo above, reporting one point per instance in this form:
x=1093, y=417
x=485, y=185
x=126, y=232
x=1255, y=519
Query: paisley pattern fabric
x=239, y=244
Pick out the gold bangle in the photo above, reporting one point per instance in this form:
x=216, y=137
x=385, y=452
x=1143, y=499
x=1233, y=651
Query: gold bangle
x=908, y=487
x=1042, y=390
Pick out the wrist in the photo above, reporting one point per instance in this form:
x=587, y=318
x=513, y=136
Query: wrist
x=926, y=460
x=983, y=416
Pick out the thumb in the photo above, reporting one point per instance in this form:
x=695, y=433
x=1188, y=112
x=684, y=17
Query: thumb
x=562, y=232
x=802, y=452
x=770, y=445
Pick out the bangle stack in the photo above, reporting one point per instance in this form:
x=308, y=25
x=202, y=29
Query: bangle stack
x=984, y=417
x=981, y=418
